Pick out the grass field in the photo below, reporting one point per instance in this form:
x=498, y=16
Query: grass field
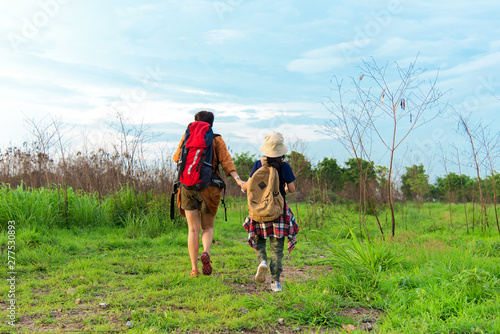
x=134, y=278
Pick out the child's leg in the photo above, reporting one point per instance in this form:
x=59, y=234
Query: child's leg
x=261, y=249
x=260, y=276
x=276, y=266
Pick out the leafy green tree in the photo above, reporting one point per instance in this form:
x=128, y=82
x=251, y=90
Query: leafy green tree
x=331, y=173
x=301, y=166
x=451, y=185
x=352, y=173
x=434, y=192
x=415, y=182
x=490, y=190
x=467, y=189
x=244, y=163
x=382, y=182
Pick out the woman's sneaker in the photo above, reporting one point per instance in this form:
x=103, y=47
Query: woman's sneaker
x=261, y=272
x=276, y=286
x=207, y=264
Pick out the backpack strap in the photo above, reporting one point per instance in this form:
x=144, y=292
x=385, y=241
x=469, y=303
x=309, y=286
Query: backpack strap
x=215, y=167
x=284, y=206
x=224, y=204
x=172, y=200
x=180, y=166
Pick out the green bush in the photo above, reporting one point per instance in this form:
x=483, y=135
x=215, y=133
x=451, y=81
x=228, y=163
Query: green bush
x=65, y=208
x=366, y=261
x=85, y=210
x=126, y=202
x=30, y=207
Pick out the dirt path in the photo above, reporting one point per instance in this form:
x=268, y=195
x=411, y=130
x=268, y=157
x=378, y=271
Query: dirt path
x=368, y=318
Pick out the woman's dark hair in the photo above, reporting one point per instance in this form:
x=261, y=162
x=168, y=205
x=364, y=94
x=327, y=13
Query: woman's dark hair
x=275, y=162
x=205, y=116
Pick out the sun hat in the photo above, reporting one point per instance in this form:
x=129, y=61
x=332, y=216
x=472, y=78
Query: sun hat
x=274, y=145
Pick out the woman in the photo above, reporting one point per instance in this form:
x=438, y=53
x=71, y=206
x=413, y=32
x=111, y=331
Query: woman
x=200, y=206
x=274, y=150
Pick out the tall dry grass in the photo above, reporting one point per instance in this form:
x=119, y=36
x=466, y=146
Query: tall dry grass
x=99, y=172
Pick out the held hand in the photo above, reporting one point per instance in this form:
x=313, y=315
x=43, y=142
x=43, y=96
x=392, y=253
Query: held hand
x=241, y=183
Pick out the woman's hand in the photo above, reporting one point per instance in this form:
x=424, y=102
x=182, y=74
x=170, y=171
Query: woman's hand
x=240, y=182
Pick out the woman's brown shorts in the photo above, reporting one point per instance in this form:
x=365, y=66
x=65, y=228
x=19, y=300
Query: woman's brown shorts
x=207, y=200
x=193, y=200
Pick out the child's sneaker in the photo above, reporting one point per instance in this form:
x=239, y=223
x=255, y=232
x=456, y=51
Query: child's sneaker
x=207, y=264
x=276, y=286
x=261, y=272
x=194, y=273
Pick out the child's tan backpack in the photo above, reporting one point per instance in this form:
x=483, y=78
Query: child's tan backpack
x=265, y=202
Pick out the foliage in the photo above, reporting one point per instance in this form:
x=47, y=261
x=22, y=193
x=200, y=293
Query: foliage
x=415, y=183
x=244, y=163
x=301, y=166
x=126, y=202
x=366, y=261
x=85, y=210
x=357, y=168
x=33, y=207
x=45, y=208
x=455, y=187
x=102, y=172
x=329, y=173
x=98, y=171
x=491, y=185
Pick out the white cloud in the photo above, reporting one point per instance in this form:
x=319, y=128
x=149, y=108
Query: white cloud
x=198, y=92
x=473, y=66
x=495, y=45
x=327, y=58
x=222, y=36
x=241, y=138
x=317, y=65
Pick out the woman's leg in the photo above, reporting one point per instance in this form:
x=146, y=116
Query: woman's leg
x=194, y=222
x=207, y=234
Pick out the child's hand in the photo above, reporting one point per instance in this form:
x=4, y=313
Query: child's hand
x=241, y=183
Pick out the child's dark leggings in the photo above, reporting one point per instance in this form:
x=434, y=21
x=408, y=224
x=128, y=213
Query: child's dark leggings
x=276, y=263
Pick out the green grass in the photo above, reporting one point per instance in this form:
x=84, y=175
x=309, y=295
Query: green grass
x=44, y=208
x=429, y=278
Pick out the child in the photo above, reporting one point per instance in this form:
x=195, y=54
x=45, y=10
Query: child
x=274, y=150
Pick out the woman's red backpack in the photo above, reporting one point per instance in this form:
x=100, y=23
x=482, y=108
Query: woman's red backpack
x=194, y=168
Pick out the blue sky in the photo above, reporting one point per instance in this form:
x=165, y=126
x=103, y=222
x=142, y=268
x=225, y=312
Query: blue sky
x=258, y=65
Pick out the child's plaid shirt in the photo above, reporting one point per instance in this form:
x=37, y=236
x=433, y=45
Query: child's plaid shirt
x=283, y=226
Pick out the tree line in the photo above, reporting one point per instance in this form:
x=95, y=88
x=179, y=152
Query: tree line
x=329, y=181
